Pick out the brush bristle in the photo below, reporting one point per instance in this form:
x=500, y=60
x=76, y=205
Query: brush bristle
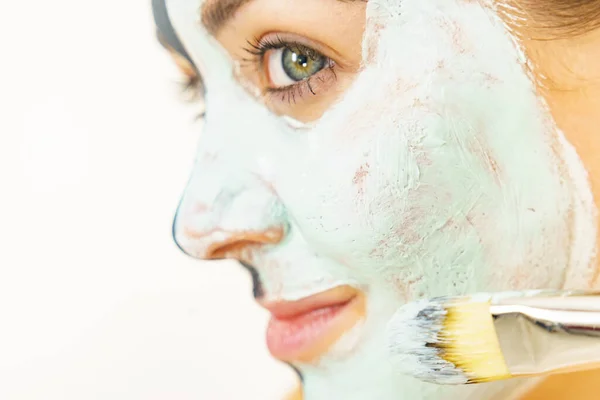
x=468, y=340
x=412, y=335
x=447, y=341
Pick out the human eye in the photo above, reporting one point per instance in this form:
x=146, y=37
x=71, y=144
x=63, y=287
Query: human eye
x=290, y=53
x=290, y=69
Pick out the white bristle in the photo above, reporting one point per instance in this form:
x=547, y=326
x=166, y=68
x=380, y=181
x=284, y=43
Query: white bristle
x=451, y=340
x=410, y=332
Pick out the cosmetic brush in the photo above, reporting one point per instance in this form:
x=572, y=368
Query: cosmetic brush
x=489, y=337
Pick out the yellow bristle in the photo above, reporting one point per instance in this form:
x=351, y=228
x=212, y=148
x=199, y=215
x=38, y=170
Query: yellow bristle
x=469, y=341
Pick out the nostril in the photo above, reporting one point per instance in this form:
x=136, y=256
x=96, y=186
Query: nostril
x=229, y=250
x=236, y=243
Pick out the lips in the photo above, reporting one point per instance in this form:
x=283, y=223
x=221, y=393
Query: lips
x=306, y=329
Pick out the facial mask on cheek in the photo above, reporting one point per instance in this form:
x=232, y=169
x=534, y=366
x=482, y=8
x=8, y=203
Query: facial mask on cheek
x=443, y=166
x=441, y=172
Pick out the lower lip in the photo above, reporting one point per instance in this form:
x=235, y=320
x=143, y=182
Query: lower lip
x=305, y=336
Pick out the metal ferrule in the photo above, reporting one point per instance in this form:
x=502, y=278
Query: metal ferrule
x=549, y=334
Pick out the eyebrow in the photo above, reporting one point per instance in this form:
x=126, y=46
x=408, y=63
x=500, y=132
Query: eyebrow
x=217, y=13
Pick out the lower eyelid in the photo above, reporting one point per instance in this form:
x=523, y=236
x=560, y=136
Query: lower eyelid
x=316, y=85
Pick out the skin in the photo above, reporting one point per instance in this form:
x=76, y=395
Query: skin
x=295, y=237
x=572, y=89
x=571, y=67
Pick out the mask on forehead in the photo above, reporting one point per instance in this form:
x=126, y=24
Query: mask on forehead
x=438, y=172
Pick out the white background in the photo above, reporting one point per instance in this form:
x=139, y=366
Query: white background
x=96, y=302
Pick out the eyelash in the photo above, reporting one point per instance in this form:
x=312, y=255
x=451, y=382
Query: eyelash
x=258, y=48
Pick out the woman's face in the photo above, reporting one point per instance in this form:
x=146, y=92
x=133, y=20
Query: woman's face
x=358, y=155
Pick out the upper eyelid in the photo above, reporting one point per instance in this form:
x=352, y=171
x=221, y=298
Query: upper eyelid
x=259, y=48
x=302, y=40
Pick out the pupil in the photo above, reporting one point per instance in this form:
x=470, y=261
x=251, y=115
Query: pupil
x=300, y=59
x=303, y=61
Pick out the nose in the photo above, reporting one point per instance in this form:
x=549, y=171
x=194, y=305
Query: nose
x=229, y=220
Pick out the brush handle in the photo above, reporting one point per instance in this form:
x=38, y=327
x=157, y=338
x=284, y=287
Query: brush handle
x=549, y=334
x=571, y=301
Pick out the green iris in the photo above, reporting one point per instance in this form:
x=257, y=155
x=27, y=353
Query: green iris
x=300, y=65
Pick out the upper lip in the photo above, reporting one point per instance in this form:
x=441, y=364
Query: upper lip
x=329, y=298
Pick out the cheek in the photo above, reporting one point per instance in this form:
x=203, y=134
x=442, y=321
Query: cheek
x=441, y=177
x=430, y=210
